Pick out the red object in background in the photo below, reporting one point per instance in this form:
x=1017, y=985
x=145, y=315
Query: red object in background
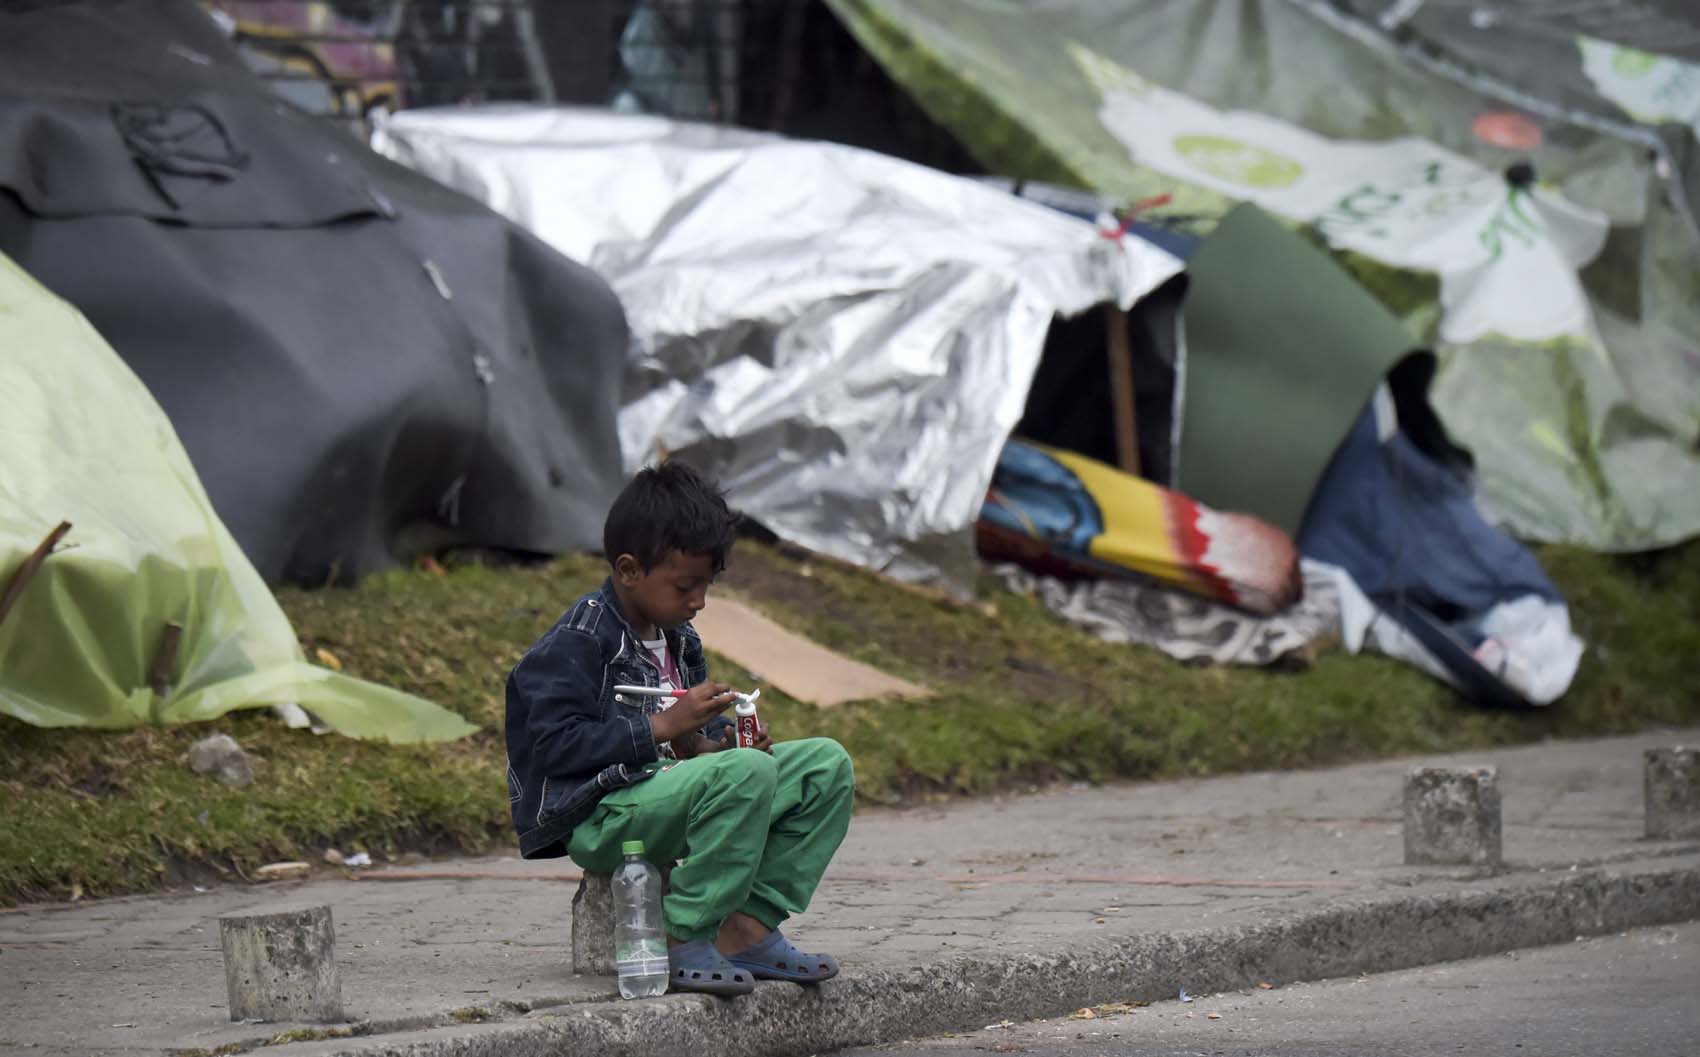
x=1507, y=130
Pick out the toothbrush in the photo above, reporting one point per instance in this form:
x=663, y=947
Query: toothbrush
x=650, y=691
x=654, y=691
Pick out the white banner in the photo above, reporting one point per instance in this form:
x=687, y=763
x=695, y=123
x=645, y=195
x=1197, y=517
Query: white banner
x=1650, y=88
x=1506, y=257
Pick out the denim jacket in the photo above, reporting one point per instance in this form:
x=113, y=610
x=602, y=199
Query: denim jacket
x=571, y=738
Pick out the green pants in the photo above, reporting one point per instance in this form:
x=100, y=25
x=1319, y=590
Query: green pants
x=750, y=832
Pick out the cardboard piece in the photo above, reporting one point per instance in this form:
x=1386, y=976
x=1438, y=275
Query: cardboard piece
x=806, y=670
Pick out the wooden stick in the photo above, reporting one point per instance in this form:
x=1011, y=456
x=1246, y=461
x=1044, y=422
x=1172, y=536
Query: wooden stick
x=15, y=586
x=1121, y=390
x=165, y=659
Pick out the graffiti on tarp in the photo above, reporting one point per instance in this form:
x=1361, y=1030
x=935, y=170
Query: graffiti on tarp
x=345, y=58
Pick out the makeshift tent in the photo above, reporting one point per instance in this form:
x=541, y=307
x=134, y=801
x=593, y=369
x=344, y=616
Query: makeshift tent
x=844, y=338
x=1283, y=358
x=144, y=609
x=362, y=364
x=1519, y=185
x=1287, y=359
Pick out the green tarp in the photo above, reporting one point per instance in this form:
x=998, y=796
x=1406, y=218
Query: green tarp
x=84, y=442
x=1564, y=303
x=1283, y=351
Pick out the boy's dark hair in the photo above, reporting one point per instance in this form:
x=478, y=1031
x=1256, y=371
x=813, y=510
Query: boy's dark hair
x=666, y=508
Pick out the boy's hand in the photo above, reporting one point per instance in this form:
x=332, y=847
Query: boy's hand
x=763, y=742
x=692, y=711
x=694, y=743
x=729, y=740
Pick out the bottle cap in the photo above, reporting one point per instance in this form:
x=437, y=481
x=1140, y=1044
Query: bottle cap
x=632, y=847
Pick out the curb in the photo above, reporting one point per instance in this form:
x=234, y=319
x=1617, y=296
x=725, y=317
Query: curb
x=1364, y=934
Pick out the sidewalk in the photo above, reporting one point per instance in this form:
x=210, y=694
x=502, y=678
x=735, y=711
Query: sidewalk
x=944, y=918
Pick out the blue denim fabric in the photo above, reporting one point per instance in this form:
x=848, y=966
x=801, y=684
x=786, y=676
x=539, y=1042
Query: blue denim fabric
x=571, y=738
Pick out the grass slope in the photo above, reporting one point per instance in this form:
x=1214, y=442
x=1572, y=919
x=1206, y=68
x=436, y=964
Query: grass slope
x=1022, y=699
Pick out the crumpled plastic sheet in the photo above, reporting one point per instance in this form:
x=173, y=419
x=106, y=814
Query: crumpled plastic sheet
x=1533, y=648
x=846, y=339
x=1185, y=626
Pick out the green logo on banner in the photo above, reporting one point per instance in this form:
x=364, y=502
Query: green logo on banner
x=1629, y=62
x=1239, y=162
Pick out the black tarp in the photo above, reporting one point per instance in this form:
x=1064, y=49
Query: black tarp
x=362, y=364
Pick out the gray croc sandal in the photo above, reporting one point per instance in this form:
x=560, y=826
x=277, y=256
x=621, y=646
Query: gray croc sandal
x=697, y=966
x=774, y=958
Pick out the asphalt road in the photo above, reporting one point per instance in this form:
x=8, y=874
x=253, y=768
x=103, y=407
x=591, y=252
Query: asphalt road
x=1631, y=994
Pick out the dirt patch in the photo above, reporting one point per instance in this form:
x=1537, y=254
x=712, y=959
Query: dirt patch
x=760, y=574
x=99, y=780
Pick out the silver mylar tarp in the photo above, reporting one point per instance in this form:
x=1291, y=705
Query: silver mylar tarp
x=846, y=339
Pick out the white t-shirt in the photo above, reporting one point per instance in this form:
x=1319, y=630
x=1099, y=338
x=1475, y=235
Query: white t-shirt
x=663, y=658
x=670, y=678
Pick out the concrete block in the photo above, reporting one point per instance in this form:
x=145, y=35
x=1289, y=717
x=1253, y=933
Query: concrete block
x=1452, y=816
x=593, y=926
x=1672, y=788
x=281, y=965
x=593, y=923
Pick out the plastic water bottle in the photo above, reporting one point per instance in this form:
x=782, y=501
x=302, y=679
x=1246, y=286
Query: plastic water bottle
x=640, y=947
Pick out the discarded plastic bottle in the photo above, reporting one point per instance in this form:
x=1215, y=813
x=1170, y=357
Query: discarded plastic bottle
x=640, y=946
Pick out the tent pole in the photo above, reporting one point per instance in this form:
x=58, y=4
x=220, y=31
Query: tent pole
x=164, y=671
x=15, y=586
x=1121, y=389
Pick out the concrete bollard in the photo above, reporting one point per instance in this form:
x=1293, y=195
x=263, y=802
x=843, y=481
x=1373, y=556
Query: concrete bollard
x=281, y=965
x=1452, y=816
x=593, y=922
x=593, y=926
x=1672, y=789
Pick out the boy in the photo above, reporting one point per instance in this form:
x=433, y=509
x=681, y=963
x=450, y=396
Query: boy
x=590, y=768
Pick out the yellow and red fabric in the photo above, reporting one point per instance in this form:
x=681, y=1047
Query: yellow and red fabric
x=1064, y=514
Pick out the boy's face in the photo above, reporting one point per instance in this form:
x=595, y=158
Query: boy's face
x=670, y=593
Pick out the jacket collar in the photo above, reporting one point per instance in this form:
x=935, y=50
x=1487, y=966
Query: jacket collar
x=611, y=600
